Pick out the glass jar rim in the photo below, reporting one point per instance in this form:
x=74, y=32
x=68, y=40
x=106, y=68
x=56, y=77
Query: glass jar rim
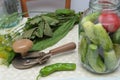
x=104, y=4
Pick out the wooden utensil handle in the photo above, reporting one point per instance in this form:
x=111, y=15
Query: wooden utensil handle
x=63, y=48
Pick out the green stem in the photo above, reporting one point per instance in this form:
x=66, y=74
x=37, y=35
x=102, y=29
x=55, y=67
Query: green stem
x=39, y=76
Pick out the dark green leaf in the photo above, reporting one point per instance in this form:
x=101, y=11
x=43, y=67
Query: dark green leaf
x=50, y=20
x=35, y=20
x=28, y=33
x=10, y=57
x=40, y=30
x=65, y=12
x=47, y=30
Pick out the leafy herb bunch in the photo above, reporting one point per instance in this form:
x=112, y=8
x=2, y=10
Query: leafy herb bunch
x=43, y=26
x=47, y=29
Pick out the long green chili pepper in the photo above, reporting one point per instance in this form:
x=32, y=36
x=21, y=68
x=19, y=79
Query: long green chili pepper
x=47, y=70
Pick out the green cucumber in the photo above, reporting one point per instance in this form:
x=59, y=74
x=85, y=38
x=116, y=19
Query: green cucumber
x=110, y=60
x=88, y=27
x=91, y=17
x=103, y=37
x=116, y=37
x=83, y=49
x=117, y=50
x=94, y=59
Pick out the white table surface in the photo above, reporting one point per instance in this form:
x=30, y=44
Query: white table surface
x=10, y=73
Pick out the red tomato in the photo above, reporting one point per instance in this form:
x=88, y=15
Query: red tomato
x=110, y=21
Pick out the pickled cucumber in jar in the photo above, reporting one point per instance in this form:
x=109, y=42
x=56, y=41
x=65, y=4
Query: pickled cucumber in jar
x=99, y=25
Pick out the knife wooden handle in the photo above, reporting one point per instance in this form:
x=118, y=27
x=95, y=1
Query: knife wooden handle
x=63, y=48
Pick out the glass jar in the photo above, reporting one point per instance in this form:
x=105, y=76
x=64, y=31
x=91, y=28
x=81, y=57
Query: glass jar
x=10, y=14
x=99, y=36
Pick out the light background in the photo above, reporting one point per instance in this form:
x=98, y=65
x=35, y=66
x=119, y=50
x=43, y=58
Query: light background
x=79, y=74
x=51, y=5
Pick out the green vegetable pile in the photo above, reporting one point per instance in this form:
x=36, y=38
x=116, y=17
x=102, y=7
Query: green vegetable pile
x=6, y=52
x=99, y=50
x=44, y=30
x=47, y=29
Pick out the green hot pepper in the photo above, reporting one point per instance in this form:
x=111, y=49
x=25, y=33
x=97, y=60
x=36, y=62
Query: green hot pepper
x=56, y=67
